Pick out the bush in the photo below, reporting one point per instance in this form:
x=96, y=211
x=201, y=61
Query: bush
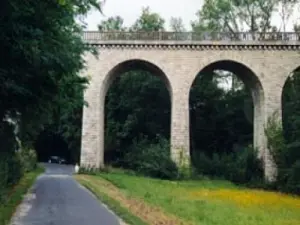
x=10, y=166
x=241, y=167
x=286, y=156
x=151, y=160
x=10, y=173
x=10, y=169
x=28, y=159
x=13, y=163
x=293, y=181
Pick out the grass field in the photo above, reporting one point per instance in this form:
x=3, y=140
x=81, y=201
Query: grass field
x=15, y=196
x=193, y=202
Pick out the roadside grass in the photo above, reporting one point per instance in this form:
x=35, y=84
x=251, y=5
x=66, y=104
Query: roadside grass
x=205, y=202
x=101, y=193
x=15, y=197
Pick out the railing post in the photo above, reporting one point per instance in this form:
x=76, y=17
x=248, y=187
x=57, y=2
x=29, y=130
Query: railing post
x=159, y=35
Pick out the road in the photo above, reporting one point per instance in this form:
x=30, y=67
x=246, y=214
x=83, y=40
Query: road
x=57, y=199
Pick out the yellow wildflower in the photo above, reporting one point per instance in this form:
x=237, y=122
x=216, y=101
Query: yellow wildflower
x=249, y=198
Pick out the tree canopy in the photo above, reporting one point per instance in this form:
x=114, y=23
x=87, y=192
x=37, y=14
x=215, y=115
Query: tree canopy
x=41, y=60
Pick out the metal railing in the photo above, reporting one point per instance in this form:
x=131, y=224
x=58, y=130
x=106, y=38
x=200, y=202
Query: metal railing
x=189, y=36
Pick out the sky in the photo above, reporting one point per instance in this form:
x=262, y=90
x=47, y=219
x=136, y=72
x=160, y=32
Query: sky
x=130, y=10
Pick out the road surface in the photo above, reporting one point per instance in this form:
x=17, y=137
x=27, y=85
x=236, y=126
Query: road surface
x=57, y=199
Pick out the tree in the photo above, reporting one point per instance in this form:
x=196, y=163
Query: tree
x=42, y=55
x=241, y=15
x=176, y=25
x=286, y=9
x=112, y=24
x=148, y=21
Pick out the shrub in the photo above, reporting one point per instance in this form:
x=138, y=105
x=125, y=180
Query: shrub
x=275, y=140
x=10, y=172
x=13, y=163
x=286, y=157
x=28, y=159
x=241, y=167
x=151, y=159
x=10, y=165
x=293, y=181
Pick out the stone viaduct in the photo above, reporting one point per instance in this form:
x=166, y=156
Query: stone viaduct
x=262, y=61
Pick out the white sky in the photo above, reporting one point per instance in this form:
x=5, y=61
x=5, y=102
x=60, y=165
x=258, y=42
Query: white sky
x=130, y=10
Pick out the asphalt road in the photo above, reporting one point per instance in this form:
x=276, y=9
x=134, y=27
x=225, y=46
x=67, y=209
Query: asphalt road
x=57, y=199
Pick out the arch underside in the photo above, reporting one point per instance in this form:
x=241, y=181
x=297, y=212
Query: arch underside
x=134, y=65
x=248, y=77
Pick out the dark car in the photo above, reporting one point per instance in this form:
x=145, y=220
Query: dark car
x=56, y=159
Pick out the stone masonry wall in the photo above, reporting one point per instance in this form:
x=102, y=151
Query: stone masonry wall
x=179, y=67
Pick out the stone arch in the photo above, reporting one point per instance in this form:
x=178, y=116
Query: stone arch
x=134, y=64
x=249, y=77
x=254, y=84
x=116, y=71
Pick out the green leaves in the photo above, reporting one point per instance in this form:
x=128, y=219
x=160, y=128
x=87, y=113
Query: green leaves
x=112, y=24
x=242, y=15
x=62, y=2
x=149, y=21
x=40, y=65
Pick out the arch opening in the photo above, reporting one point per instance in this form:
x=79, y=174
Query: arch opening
x=291, y=115
x=137, y=98
x=226, y=112
x=287, y=155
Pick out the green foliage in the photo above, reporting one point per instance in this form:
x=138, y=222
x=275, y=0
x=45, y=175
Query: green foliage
x=275, y=138
x=149, y=21
x=286, y=156
x=293, y=180
x=28, y=159
x=151, y=159
x=12, y=167
x=112, y=24
x=241, y=167
x=291, y=108
x=10, y=171
x=137, y=105
x=219, y=121
x=41, y=60
x=14, y=162
x=10, y=201
x=234, y=16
